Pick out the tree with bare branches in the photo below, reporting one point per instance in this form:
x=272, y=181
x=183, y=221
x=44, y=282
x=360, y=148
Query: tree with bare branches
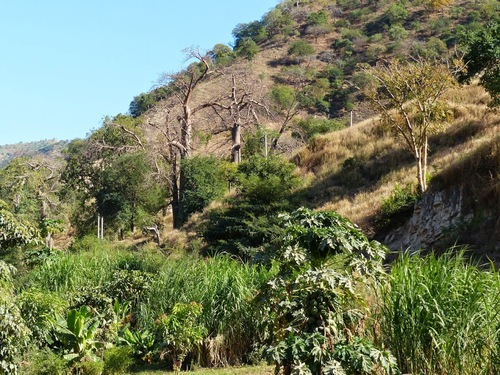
x=238, y=107
x=409, y=98
x=177, y=122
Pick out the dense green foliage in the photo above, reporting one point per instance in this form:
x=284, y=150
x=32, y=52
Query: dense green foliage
x=315, y=316
x=248, y=221
x=303, y=289
x=14, y=232
x=204, y=182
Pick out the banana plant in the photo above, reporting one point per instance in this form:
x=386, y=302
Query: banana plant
x=77, y=332
x=141, y=342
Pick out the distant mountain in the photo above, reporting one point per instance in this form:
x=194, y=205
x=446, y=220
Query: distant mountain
x=50, y=148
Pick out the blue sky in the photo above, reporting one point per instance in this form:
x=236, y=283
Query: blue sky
x=65, y=64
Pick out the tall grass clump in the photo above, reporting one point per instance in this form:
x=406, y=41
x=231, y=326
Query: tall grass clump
x=225, y=288
x=71, y=272
x=440, y=315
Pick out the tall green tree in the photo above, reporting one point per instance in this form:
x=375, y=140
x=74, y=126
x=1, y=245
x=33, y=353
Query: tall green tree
x=111, y=174
x=30, y=188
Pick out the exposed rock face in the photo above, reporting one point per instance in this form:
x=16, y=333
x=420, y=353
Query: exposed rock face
x=434, y=215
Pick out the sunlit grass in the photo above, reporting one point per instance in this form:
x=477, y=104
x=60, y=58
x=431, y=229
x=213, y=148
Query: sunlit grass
x=442, y=315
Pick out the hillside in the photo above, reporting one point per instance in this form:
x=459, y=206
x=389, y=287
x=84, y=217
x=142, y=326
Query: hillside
x=291, y=84
x=355, y=170
x=324, y=195
x=48, y=148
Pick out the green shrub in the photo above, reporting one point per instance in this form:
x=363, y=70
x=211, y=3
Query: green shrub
x=117, y=360
x=204, y=182
x=140, y=342
x=397, y=33
x=315, y=320
x=37, y=308
x=37, y=256
x=317, y=18
x=127, y=285
x=440, y=315
x=181, y=332
x=87, y=243
x=300, y=48
x=247, y=49
x=45, y=362
x=312, y=126
x=397, y=207
x=89, y=367
x=396, y=14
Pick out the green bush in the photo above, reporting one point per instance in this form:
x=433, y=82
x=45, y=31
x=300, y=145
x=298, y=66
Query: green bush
x=37, y=256
x=180, y=331
x=300, y=48
x=315, y=319
x=397, y=33
x=312, y=126
x=396, y=14
x=247, y=49
x=117, y=360
x=87, y=243
x=397, y=207
x=37, y=309
x=89, y=367
x=45, y=362
x=317, y=18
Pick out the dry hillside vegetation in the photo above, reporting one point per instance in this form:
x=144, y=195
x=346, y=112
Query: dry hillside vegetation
x=355, y=169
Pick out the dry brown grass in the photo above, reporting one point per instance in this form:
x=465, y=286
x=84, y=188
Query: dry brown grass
x=355, y=169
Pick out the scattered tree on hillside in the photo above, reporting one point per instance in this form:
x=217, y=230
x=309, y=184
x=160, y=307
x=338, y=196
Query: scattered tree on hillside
x=483, y=58
x=408, y=97
x=286, y=106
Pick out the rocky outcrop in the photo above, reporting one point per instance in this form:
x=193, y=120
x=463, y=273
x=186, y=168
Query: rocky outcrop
x=435, y=215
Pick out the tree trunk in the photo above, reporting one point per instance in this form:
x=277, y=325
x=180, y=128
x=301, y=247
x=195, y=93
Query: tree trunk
x=175, y=193
x=236, y=141
x=420, y=173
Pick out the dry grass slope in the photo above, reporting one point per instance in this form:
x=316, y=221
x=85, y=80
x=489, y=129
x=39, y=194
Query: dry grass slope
x=355, y=169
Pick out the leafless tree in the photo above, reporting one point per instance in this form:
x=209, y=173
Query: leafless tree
x=177, y=122
x=238, y=107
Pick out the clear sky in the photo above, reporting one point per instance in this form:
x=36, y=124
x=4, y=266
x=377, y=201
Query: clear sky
x=65, y=64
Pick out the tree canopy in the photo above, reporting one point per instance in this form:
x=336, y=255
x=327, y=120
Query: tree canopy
x=483, y=58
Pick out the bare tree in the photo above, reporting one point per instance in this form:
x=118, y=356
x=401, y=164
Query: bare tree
x=238, y=107
x=177, y=122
